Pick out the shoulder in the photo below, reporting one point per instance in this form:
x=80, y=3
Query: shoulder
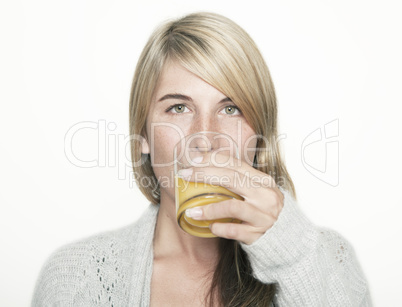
x=94, y=264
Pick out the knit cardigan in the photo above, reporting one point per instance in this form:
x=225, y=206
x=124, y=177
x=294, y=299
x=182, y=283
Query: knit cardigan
x=311, y=266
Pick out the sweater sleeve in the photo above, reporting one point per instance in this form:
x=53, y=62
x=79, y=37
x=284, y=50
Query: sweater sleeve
x=310, y=266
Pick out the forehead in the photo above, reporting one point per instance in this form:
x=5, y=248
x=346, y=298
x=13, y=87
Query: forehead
x=174, y=78
x=173, y=73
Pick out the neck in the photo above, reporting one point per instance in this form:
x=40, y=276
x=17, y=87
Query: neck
x=171, y=241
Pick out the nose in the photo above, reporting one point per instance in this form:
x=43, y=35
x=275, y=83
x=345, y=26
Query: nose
x=203, y=142
x=203, y=123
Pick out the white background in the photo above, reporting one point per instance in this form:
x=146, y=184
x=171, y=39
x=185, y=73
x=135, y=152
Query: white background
x=67, y=62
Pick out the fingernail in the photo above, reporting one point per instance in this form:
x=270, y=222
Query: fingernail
x=194, y=212
x=197, y=160
x=185, y=173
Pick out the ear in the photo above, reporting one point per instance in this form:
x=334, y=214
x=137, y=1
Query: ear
x=144, y=146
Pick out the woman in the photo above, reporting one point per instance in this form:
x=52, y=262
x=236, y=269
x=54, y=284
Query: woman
x=204, y=73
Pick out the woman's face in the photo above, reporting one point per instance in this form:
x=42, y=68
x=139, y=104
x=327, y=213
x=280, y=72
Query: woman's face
x=183, y=104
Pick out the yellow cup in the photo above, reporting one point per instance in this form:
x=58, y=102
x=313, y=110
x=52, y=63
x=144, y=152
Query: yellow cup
x=193, y=194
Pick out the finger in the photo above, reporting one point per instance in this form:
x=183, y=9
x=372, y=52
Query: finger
x=231, y=208
x=222, y=159
x=240, y=232
x=268, y=200
x=242, y=184
x=218, y=160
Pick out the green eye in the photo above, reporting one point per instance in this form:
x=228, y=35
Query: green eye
x=179, y=108
x=230, y=110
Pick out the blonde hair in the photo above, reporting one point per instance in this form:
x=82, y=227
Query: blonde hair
x=221, y=53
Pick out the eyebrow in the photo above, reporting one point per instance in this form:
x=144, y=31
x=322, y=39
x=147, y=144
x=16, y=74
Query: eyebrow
x=186, y=98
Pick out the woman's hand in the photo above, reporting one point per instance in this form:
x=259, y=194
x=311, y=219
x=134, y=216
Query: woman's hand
x=259, y=210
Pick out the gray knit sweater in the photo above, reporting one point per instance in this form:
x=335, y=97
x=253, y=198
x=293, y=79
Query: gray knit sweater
x=311, y=266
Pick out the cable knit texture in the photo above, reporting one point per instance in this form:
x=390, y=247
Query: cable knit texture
x=311, y=266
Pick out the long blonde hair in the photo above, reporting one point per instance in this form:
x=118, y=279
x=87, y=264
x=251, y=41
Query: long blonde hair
x=221, y=53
